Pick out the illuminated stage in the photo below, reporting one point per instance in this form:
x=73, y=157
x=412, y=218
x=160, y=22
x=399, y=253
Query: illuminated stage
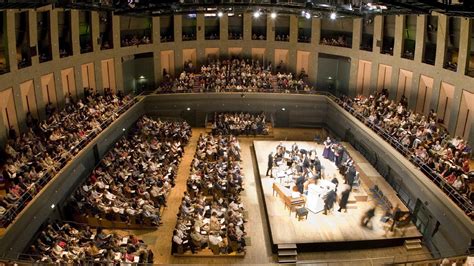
x=337, y=230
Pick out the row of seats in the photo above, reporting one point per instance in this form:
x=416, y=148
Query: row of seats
x=211, y=214
x=30, y=160
x=242, y=123
x=133, y=180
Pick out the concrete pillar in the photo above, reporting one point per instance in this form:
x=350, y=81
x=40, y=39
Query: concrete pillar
x=247, y=27
x=118, y=74
x=293, y=30
x=95, y=26
x=58, y=86
x=270, y=28
x=441, y=38
x=435, y=93
x=356, y=33
x=224, y=29
x=398, y=43
x=20, y=113
x=313, y=67
x=378, y=34
x=3, y=132
x=33, y=33
x=420, y=38
x=200, y=24
x=374, y=74
x=99, y=85
x=470, y=138
x=353, y=77
x=78, y=79
x=415, y=84
x=76, y=45
x=40, y=103
x=116, y=31
x=178, y=28
x=53, y=27
x=11, y=40
x=316, y=31
x=455, y=109
x=392, y=94
x=157, y=67
x=464, y=46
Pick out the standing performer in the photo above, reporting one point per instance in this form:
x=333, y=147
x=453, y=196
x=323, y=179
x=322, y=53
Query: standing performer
x=270, y=163
x=327, y=147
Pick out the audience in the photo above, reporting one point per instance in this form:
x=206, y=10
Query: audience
x=211, y=212
x=64, y=243
x=237, y=76
x=133, y=180
x=239, y=124
x=429, y=144
x=39, y=153
x=335, y=41
x=131, y=40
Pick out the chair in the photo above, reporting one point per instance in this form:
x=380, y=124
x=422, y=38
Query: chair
x=301, y=213
x=215, y=249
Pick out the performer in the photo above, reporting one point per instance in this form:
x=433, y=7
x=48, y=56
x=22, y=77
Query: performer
x=350, y=176
x=367, y=217
x=346, y=191
x=270, y=163
x=329, y=201
x=327, y=147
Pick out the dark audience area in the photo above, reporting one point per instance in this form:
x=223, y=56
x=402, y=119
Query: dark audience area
x=443, y=158
x=77, y=244
x=211, y=214
x=132, y=181
x=32, y=158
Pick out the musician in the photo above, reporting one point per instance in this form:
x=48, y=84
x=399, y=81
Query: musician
x=346, y=191
x=327, y=147
x=329, y=200
x=270, y=163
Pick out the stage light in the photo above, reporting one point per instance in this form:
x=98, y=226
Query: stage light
x=273, y=15
x=257, y=14
x=188, y=109
x=283, y=108
x=333, y=15
x=307, y=15
x=52, y=206
x=220, y=14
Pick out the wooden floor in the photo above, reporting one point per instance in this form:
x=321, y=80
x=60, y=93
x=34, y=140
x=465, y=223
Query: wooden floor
x=259, y=251
x=319, y=228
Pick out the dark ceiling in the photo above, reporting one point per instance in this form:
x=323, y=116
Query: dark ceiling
x=317, y=8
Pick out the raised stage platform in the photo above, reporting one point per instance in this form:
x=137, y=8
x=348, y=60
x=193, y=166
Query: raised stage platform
x=337, y=230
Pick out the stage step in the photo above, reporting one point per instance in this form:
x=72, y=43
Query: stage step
x=413, y=241
x=286, y=246
x=413, y=244
x=291, y=259
x=287, y=252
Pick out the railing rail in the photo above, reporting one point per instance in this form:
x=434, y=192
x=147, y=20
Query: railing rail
x=12, y=212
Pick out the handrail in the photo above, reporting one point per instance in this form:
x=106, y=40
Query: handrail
x=11, y=213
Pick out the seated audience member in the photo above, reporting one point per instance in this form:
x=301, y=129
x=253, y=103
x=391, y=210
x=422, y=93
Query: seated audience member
x=239, y=124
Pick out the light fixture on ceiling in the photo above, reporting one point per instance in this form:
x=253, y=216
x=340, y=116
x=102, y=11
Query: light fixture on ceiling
x=257, y=14
x=333, y=15
x=273, y=15
x=220, y=14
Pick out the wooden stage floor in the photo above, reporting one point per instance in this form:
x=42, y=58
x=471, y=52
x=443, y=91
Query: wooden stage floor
x=338, y=228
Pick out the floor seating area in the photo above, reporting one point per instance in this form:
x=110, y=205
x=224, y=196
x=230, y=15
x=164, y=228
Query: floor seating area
x=211, y=216
x=129, y=188
x=33, y=158
x=70, y=243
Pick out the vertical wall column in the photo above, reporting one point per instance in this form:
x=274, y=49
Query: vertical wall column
x=413, y=97
x=392, y=93
x=99, y=85
x=247, y=27
x=224, y=30
x=156, y=55
x=316, y=31
x=178, y=29
x=201, y=28
x=378, y=35
x=33, y=33
x=59, y=89
x=11, y=37
x=39, y=99
x=453, y=120
x=292, y=53
x=420, y=38
x=464, y=45
x=435, y=93
x=53, y=27
x=398, y=44
x=353, y=77
x=270, y=28
x=76, y=45
x=79, y=82
x=95, y=33
x=178, y=53
x=119, y=74
x=116, y=32
x=20, y=113
x=441, y=38
x=3, y=133
x=356, y=33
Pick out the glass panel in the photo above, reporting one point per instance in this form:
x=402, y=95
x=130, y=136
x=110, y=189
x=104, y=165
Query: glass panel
x=85, y=31
x=189, y=27
x=44, y=36
x=135, y=30
x=337, y=32
x=282, y=28
x=211, y=27
x=4, y=64
x=259, y=27
x=409, y=37
x=304, y=30
x=470, y=57
x=64, y=33
x=431, y=33
x=367, y=34
x=106, y=30
x=22, y=35
x=388, y=35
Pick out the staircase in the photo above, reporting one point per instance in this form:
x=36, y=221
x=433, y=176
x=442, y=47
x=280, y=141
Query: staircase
x=413, y=244
x=287, y=253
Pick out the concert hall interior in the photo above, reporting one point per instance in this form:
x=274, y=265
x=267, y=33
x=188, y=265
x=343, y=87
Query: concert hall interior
x=237, y=132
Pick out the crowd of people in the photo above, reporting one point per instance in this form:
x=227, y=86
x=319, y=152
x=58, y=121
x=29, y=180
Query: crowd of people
x=31, y=159
x=132, y=40
x=211, y=214
x=65, y=243
x=428, y=143
x=133, y=180
x=335, y=41
x=239, y=124
x=238, y=75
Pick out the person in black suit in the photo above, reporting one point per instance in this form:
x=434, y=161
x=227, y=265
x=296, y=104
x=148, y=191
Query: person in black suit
x=350, y=176
x=270, y=163
x=344, y=199
x=300, y=183
x=329, y=201
x=368, y=215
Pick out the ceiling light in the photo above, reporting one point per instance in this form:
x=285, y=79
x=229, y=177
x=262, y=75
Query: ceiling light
x=333, y=15
x=220, y=14
x=273, y=15
x=257, y=14
x=307, y=15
